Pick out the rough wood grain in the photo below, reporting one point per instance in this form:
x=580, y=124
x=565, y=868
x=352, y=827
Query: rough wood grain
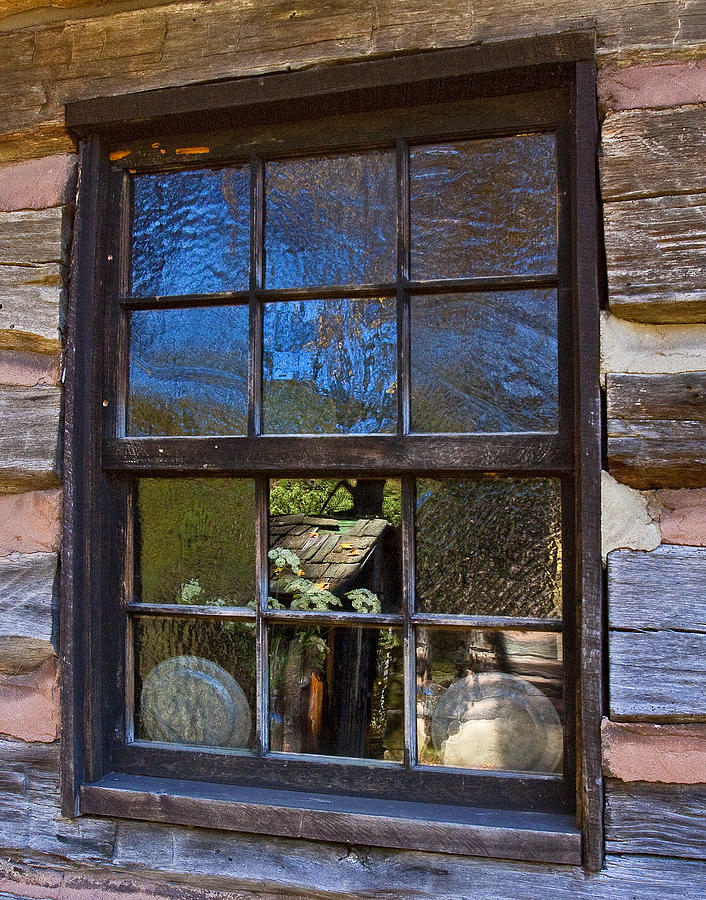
x=29, y=431
x=656, y=255
x=32, y=237
x=657, y=675
x=195, y=41
x=20, y=655
x=30, y=305
x=35, y=142
x=667, y=820
x=88, y=851
x=30, y=823
x=657, y=429
x=643, y=751
x=662, y=589
x=28, y=595
x=653, y=153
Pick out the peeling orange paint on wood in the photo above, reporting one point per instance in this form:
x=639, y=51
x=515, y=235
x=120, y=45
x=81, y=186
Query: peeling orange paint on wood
x=189, y=151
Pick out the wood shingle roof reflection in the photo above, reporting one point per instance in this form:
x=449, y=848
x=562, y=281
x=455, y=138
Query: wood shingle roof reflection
x=332, y=552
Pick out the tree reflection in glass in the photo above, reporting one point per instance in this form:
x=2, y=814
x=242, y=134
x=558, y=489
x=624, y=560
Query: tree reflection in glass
x=489, y=546
x=484, y=207
x=330, y=220
x=191, y=232
x=330, y=366
x=188, y=371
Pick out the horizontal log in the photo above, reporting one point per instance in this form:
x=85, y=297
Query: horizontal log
x=28, y=595
x=31, y=143
x=667, y=820
x=658, y=590
x=30, y=304
x=657, y=429
x=643, y=751
x=32, y=237
x=30, y=822
x=657, y=675
x=653, y=153
x=30, y=522
x=652, y=86
x=656, y=255
x=195, y=41
x=90, y=851
x=20, y=655
x=29, y=432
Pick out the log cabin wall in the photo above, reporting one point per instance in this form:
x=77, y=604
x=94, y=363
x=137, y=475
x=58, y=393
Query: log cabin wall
x=652, y=94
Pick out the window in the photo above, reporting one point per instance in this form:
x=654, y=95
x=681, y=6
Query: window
x=332, y=455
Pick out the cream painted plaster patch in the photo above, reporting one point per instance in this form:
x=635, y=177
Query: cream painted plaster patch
x=625, y=519
x=634, y=347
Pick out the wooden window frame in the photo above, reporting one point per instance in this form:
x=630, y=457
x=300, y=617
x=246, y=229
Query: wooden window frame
x=100, y=776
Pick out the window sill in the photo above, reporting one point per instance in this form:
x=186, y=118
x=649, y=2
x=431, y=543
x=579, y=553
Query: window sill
x=504, y=834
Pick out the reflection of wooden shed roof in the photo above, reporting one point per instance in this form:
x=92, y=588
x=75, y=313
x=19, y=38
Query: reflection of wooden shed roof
x=331, y=552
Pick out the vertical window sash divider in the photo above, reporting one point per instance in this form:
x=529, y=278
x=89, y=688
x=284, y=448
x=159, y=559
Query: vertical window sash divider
x=403, y=325
x=409, y=642
x=257, y=227
x=261, y=646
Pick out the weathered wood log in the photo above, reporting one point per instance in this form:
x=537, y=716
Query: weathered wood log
x=657, y=429
x=657, y=675
x=30, y=823
x=32, y=237
x=667, y=820
x=28, y=595
x=661, y=589
x=20, y=655
x=643, y=751
x=29, y=432
x=34, y=142
x=199, y=859
x=656, y=255
x=205, y=39
x=30, y=303
x=653, y=153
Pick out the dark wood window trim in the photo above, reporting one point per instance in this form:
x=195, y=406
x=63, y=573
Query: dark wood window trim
x=97, y=775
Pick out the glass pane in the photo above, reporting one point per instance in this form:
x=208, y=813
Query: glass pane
x=195, y=682
x=480, y=208
x=188, y=371
x=337, y=691
x=330, y=366
x=489, y=547
x=485, y=362
x=191, y=232
x=490, y=699
x=195, y=541
x=335, y=545
x=330, y=220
